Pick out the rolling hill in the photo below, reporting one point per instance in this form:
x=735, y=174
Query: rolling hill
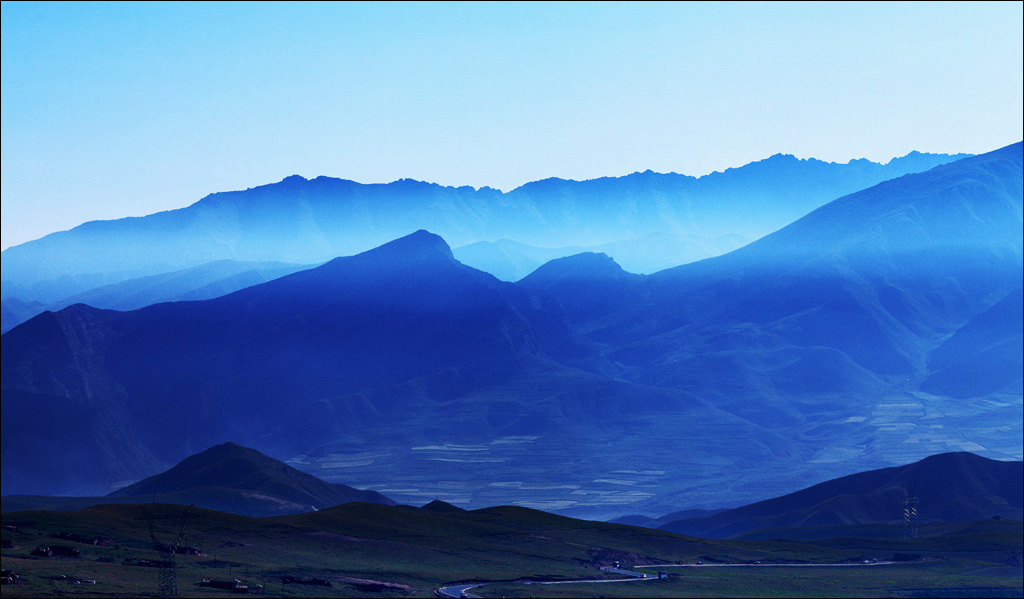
x=228, y=478
x=365, y=550
x=951, y=487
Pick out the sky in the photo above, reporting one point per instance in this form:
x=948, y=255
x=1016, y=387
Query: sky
x=125, y=109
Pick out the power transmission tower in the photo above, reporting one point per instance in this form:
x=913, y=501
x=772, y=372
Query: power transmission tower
x=168, y=583
x=910, y=502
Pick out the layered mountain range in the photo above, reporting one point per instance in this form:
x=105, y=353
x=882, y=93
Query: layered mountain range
x=861, y=335
x=303, y=221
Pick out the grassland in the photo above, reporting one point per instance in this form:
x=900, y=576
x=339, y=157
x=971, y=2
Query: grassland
x=379, y=551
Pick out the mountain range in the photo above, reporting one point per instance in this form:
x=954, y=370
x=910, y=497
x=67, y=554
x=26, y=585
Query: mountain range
x=855, y=337
x=301, y=221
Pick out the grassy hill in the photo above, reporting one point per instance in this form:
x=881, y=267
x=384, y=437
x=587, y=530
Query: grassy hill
x=377, y=550
x=950, y=487
x=226, y=477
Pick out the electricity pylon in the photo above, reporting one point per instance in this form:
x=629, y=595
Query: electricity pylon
x=168, y=583
x=910, y=502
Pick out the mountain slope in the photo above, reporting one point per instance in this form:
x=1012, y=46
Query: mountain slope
x=15, y=312
x=982, y=356
x=200, y=282
x=950, y=487
x=853, y=295
x=827, y=328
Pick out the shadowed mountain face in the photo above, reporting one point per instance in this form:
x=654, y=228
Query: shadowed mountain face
x=950, y=487
x=807, y=351
x=310, y=221
x=226, y=477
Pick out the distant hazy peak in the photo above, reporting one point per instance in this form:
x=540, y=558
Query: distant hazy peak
x=583, y=266
x=414, y=247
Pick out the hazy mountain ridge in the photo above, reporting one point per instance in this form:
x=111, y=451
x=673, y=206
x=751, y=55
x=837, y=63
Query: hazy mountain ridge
x=197, y=283
x=310, y=221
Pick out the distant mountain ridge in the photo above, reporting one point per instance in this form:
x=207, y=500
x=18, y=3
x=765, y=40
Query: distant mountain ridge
x=951, y=487
x=310, y=221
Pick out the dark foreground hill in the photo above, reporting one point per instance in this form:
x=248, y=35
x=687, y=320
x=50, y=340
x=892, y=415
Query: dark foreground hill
x=950, y=487
x=228, y=478
x=361, y=549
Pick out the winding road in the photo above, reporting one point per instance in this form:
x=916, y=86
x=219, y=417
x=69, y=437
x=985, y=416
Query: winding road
x=458, y=590
x=462, y=590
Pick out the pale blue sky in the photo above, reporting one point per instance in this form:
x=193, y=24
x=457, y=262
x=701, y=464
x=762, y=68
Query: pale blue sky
x=127, y=109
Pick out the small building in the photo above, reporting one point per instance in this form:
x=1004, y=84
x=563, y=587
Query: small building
x=662, y=575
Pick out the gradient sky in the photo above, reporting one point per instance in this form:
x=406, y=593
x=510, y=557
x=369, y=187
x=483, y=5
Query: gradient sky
x=111, y=110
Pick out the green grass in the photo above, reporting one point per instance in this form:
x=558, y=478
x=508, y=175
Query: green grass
x=421, y=550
